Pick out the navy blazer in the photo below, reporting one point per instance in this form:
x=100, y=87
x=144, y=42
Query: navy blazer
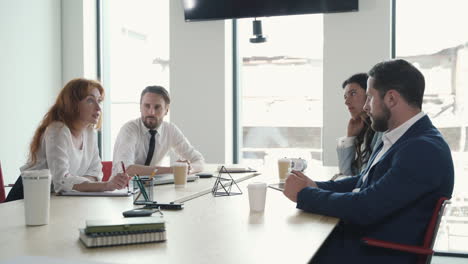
x=394, y=203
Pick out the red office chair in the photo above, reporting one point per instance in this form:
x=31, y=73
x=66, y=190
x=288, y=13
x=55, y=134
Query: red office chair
x=2, y=186
x=106, y=170
x=425, y=251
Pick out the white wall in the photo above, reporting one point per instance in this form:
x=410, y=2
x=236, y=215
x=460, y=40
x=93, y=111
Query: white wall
x=79, y=41
x=43, y=44
x=200, y=84
x=353, y=42
x=30, y=74
x=35, y=43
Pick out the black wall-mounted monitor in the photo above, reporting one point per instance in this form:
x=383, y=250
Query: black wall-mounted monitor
x=199, y=10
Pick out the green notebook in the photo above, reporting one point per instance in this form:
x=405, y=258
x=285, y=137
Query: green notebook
x=124, y=224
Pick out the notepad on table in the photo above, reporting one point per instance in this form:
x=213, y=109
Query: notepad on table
x=277, y=186
x=236, y=169
x=124, y=224
x=168, y=178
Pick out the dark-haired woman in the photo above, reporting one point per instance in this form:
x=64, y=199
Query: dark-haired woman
x=355, y=149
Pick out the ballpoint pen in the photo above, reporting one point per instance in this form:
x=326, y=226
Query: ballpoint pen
x=152, y=174
x=124, y=171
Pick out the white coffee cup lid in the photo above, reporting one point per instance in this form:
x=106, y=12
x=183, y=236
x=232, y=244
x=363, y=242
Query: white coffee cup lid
x=179, y=164
x=284, y=160
x=35, y=174
x=257, y=185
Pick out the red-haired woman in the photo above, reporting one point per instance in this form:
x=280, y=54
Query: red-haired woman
x=66, y=143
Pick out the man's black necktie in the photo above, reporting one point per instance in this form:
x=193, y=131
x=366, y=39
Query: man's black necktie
x=149, y=157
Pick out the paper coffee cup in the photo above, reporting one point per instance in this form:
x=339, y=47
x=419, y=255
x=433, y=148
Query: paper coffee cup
x=36, y=184
x=257, y=196
x=180, y=174
x=284, y=166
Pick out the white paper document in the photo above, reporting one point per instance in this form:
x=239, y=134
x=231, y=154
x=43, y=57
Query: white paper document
x=236, y=168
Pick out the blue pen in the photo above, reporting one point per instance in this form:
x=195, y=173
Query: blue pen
x=124, y=171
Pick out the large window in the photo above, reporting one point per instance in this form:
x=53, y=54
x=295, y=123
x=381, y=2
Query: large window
x=135, y=55
x=281, y=89
x=433, y=35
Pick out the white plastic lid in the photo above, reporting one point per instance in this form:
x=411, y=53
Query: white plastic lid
x=284, y=160
x=257, y=185
x=35, y=174
x=179, y=164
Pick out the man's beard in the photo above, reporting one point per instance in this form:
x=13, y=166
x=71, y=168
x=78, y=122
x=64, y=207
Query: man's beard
x=380, y=124
x=151, y=125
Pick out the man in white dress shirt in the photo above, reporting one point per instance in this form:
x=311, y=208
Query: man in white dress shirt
x=142, y=143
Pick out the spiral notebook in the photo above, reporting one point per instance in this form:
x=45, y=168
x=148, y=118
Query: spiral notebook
x=125, y=231
x=121, y=238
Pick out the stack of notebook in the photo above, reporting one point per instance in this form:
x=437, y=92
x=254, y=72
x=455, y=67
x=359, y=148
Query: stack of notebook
x=125, y=231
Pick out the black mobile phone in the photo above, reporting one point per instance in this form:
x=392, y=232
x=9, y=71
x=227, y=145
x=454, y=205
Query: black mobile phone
x=204, y=175
x=139, y=212
x=166, y=206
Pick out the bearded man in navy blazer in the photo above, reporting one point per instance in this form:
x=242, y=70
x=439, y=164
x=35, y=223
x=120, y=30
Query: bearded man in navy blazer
x=392, y=199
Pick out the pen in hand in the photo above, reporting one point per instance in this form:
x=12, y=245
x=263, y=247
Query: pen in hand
x=152, y=174
x=124, y=171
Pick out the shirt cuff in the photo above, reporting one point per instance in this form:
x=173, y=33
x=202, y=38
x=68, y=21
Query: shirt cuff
x=66, y=183
x=97, y=174
x=338, y=177
x=197, y=166
x=345, y=142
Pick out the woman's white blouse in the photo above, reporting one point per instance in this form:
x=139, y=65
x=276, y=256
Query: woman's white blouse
x=67, y=164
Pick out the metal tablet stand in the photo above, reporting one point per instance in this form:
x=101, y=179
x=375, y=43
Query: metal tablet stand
x=223, y=186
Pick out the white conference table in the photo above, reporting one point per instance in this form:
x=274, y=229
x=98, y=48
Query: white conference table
x=167, y=193
x=208, y=230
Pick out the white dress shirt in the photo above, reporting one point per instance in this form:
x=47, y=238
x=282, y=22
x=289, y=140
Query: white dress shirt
x=132, y=144
x=67, y=164
x=345, y=142
x=391, y=137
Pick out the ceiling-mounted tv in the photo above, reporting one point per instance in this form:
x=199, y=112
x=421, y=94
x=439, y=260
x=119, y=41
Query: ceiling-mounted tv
x=198, y=10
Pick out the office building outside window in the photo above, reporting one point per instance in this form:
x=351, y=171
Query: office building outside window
x=433, y=35
x=281, y=89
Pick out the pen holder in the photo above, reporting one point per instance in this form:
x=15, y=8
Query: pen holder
x=142, y=190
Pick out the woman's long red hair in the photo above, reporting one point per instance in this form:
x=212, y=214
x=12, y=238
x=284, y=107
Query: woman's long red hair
x=64, y=110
